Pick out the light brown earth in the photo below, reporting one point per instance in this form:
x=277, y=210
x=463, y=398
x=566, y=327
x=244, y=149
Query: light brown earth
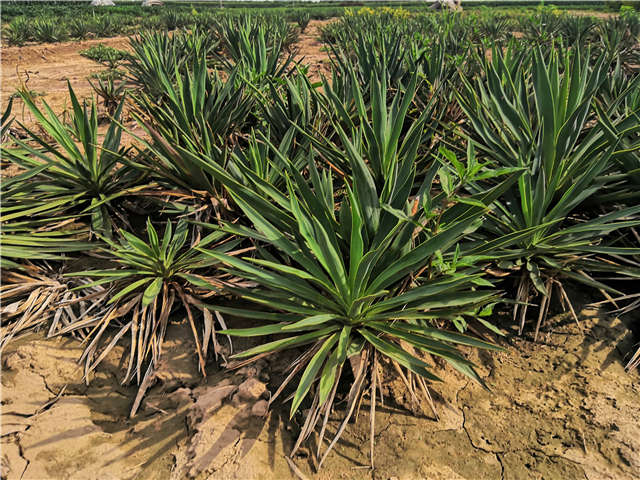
x=311, y=51
x=560, y=409
x=45, y=69
x=593, y=13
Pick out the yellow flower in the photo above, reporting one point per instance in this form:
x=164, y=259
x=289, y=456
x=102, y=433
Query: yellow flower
x=366, y=11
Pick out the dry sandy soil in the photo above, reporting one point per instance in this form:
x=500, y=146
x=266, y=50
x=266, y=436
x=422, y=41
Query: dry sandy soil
x=45, y=69
x=560, y=409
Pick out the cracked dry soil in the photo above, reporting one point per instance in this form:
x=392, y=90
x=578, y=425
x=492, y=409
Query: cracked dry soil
x=560, y=409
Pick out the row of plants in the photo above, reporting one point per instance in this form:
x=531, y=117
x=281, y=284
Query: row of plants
x=617, y=33
x=318, y=10
x=73, y=26
x=64, y=9
x=25, y=29
x=54, y=23
x=378, y=218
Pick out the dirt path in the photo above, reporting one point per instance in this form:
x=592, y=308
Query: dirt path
x=311, y=50
x=45, y=69
x=564, y=408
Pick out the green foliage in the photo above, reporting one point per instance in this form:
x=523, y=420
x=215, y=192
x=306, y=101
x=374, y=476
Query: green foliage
x=197, y=119
x=158, y=55
x=79, y=28
x=364, y=268
x=111, y=57
x=538, y=114
x=256, y=50
x=302, y=18
x=291, y=106
x=26, y=239
x=105, y=26
x=542, y=26
x=619, y=38
x=6, y=120
x=364, y=213
x=620, y=96
x=47, y=30
x=151, y=280
x=173, y=19
x=496, y=27
x=69, y=169
x=577, y=30
x=111, y=89
x=18, y=32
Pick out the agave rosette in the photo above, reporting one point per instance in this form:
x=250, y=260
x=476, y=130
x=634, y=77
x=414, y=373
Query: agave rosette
x=539, y=114
x=361, y=268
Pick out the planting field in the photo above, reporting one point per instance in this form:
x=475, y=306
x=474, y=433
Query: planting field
x=320, y=242
x=45, y=68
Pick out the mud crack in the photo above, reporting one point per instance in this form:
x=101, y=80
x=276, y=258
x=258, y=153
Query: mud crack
x=464, y=425
x=501, y=466
x=21, y=453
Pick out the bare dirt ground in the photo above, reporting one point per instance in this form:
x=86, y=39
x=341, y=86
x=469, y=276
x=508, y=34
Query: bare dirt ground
x=311, y=51
x=45, y=69
x=593, y=13
x=560, y=409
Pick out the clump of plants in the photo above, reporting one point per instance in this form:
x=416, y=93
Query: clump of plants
x=111, y=88
x=302, y=18
x=152, y=277
x=79, y=28
x=548, y=126
x=48, y=30
x=109, y=56
x=368, y=268
x=72, y=167
x=18, y=31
